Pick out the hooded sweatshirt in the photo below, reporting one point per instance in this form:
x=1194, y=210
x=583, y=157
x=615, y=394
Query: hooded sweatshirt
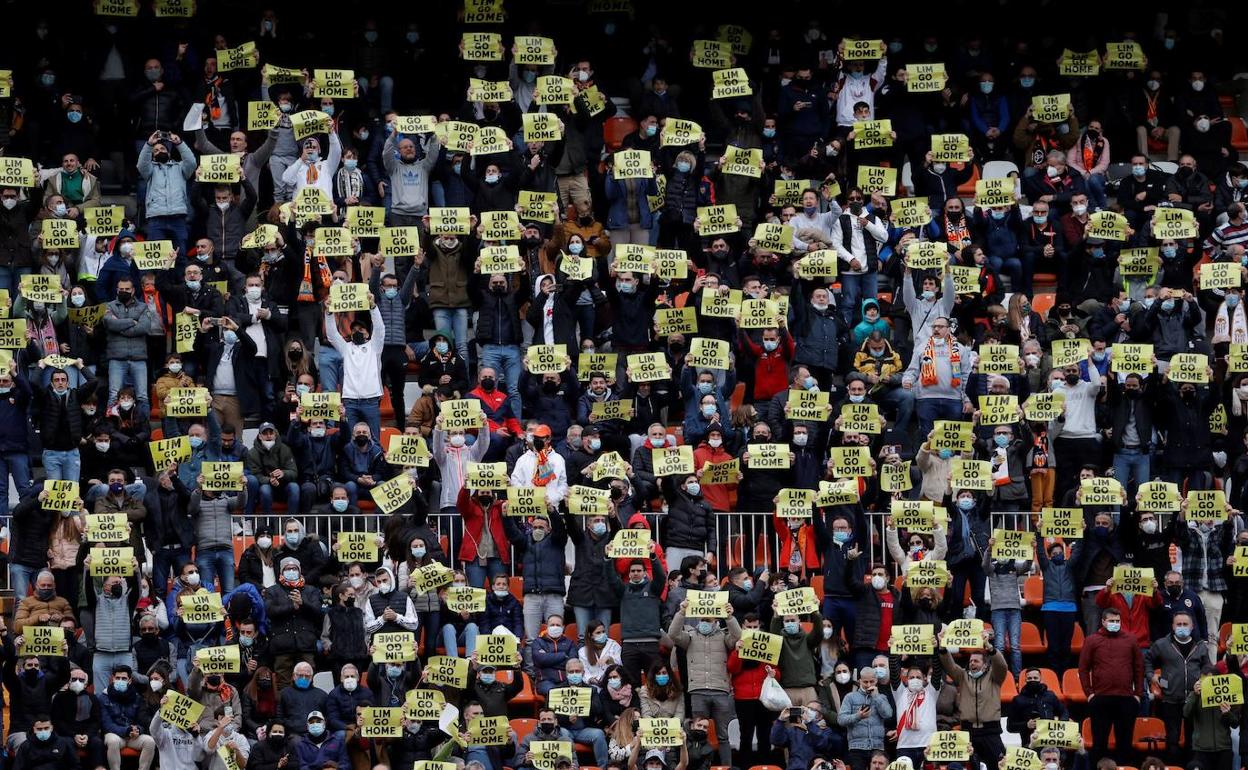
x=865, y=327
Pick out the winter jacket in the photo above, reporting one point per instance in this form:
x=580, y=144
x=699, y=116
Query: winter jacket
x=641, y=606
x=449, y=272
x=550, y=656
x=1179, y=670
x=166, y=182
x=226, y=228
x=128, y=326
x=261, y=462
x=293, y=630
x=409, y=182
x=979, y=699
x=213, y=527
x=312, y=754
x=294, y=705
x=119, y=711
x=590, y=584
x=542, y=560
x=798, y=662
x=340, y=706
x=864, y=733
x=1211, y=729
x=707, y=655
x=690, y=521
x=1111, y=664
x=618, y=191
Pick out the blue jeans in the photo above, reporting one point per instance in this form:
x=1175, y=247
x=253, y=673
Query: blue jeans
x=11, y=278
x=133, y=372
x=477, y=574
x=16, y=464
x=853, y=289
x=506, y=361
x=841, y=612
x=597, y=740
x=216, y=563
x=1131, y=465
x=136, y=490
x=22, y=578
x=1007, y=627
x=102, y=664
x=586, y=316
x=1011, y=267
x=366, y=410
x=1096, y=191
x=264, y=494
x=62, y=465
x=901, y=400
x=171, y=228
x=456, y=320
x=585, y=615
x=467, y=637
x=167, y=561
x=329, y=367
x=932, y=409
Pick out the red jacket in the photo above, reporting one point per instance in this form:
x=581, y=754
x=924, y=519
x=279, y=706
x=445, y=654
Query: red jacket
x=715, y=494
x=748, y=676
x=473, y=518
x=1111, y=664
x=771, y=370
x=805, y=537
x=498, y=410
x=1135, y=617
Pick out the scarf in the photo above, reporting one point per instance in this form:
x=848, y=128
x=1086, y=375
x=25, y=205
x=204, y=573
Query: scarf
x=543, y=471
x=908, y=719
x=297, y=584
x=1231, y=326
x=927, y=372
x=306, y=291
x=622, y=696
x=212, y=99
x=959, y=234
x=1091, y=151
x=312, y=174
x=1000, y=468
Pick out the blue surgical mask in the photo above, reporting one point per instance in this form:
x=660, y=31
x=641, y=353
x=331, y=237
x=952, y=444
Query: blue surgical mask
x=792, y=627
x=197, y=442
x=1113, y=626
x=709, y=410
x=340, y=505
x=328, y=109
x=73, y=116
x=662, y=679
x=598, y=528
x=928, y=295
x=491, y=178
x=316, y=729
x=313, y=157
x=1040, y=220
x=594, y=444
x=625, y=288
x=121, y=685
x=840, y=536
x=442, y=347
x=651, y=130
x=456, y=166
x=945, y=454
x=1026, y=82
x=1139, y=170
x=1183, y=632
x=881, y=672
x=193, y=285
x=293, y=538
x=576, y=678
x=230, y=336
x=966, y=503
x=600, y=638
x=1098, y=253
x=530, y=76
x=998, y=215
x=1169, y=252
x=705, y=387
x=391, y=292
x=1167, y=305
x=986, y=86
x=705, y=627
x=43, y=735
x=769, y=133
x=1232, y=300
x=575, y=248
x=487, y=678
x=693, y=488
x=1001, y=440
x=394, y=672
x=1098, y=356
x=811, y=383
x=291, y=575
x=350, y=164
x=683, y=166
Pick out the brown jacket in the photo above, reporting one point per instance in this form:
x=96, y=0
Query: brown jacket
x=979, y=700
x=424, y=412
x=30, y=608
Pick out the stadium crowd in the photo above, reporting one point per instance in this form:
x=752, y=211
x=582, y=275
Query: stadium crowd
x=472, y=405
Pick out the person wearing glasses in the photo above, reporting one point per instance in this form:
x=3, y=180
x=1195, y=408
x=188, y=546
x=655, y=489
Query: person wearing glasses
x=937, y=374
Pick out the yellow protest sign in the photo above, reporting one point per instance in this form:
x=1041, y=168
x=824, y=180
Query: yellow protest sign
x=333, y=84
x=170, y=450
x=1189, y=367
x=461, y=414
x=660, y=732
x=630, y=544
x=496, y=260
x=1219, y=275
x=408, y=451
x=219, y=660
x=1133, y=359
x=964, y=634
x=1066, y=523
x=242, y=57
x=730, y=84
x=57, y=234
x=1059, y=733
x=742, y=161
x=104, y=221
x=926, y=255
x=484, y=12
x=104, y=527
x=1043, y=407
x=118, y=8
x=547, y=755
x=1050, y=108
x=12, y=333
x=796, y=601
x=838, y=492
x=727, y=472
x=770, y=236
x=947, y=746
x=609, y=465
x=42, y=288
x=616, y=409
x=1237, y=643
x=737, y=36
x=325, y=405
x=488, y=90
x=707, y=353
x=925, y=78
x=862, y=50
x=1019, y=758
x=424, y=706
x=466, y=598
x=869, y=134
x=1076, y=64
x=912, y=640
x=998, y=359
x=187, y=402
x=588, y=501
x=910, y=212
x=820, y=263
x=767, y=456
x=808, y=405
x=219, y=169
x=1227, y=689
x=222, y=476
x=185, y=331
x=530, y=49
x=486, y=476
x=488, y=731
x=1133, y=580
x=711, y=54
x=1159, y=496
x=965, y=279
x=895, y=477
x=547, y=359
x=335, y=242
x=850, y=461
x=1101, y=491
x=1138, y=262
x=415, y=124
x=647, y=367
x=1124, y=55
x=393, y=494
x=526, y=501
x=994, y=193
x=759, y=645
x=1069, y=352
x=180, y=710
x=395, y=646
x=365, y=221
x=722, y=303
x=1206, y=505
x=1011, y=545
x=378, y=722
x=970, y=474
x=1107, y=225
x=632, y=164
x=954, y=435
x=311, y=202
x=671, y=264
x=357, y=546
x=43, y=640
x=262, y=236
x=309, y=122
x=707, y=604
x=717, y=220
x=201, y=607
x=398, y=242
x=1174, y=224
x=672, y=461
x=553, y=89
x=490, y=140
x=881, y=179
x=16, y=172
x=998, y=410
x=679, y=133
x=570, y=701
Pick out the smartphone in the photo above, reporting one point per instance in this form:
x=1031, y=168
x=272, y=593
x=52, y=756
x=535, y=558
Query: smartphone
x=795, y=715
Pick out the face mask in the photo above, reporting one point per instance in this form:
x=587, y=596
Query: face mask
x=966, y=503
x=576, y=678
x=43, y=735
x=683, y=166
x=1169, y=252
x=769, y=133
x=977, y=674
x=1078, y=209
x=60, y=209
x=594, y=444
x=800, y=439
x=840, y=536
x=715, y=443
x=102, y=446
x=153, y=75
x=340, y=505
x=1113, y=626
x=986, y=86
x=358, y=337
x=1197, y=85
x=1149, y=527
x=315, y=729
x=878, y=583
x=1167, y=305
x=998, y=215
x=625, y=288
x=857, y=398
x=458, y=441
x=10, y=203
x=842, y=677
x=705, y=627
x=230, y=337
x=290, y=575
x=575, y=248
x=121, y=685
x=268, y=444
x=598, y=528
x=1001, y=440
x=1139, y=171
x=394, y=672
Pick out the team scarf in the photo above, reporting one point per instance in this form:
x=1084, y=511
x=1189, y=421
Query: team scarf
x=1231, y=325
x=927, y=372
x=909, y=718
x=543, y=470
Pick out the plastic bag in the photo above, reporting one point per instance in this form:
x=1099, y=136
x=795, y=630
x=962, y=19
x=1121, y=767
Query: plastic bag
x=773, y=697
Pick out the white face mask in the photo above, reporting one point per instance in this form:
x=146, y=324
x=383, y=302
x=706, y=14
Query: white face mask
x=878, y=583
x=192, y=579
x=264, y=542
x=349, y=683
x=77, y=686
x=715, y=443
x=267, y=444
x=842, y=677
x=1079, y=209
x=253, y=293
x=457, y=441
x=915, y=684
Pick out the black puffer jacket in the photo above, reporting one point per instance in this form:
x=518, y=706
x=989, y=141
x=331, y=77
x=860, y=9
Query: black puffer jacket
x=590, y=585
x=292, y=629
x=15, y=240
x=154, y=110
x=690, y=521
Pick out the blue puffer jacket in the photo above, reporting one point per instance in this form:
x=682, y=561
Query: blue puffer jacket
x=617, y=200
x=310, y=754
x=819, y=335
x=864, y=734
x=543, y=561
x=550, y=657
x=119, y=711
x=166, y=182
x=805, y=745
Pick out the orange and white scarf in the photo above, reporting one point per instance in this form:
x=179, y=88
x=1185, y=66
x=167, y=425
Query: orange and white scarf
x=927, y=371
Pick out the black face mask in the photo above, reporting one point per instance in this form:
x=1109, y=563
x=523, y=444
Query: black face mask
x=124, y=296
x=266, y=684
x=677, y=348
x=529, y=243
x=358, y=338
x=955, y=216
x=1187, y=395
x=855, y=207
x=115, y=591
x=361, y=441
x=1072, y=379
x=802, y=83
x=550, y=388
x=296, y=354
x=498, y=289
x=539, y=444
x=548, y=728
x=1133, y=393
x=277, y=741
x=160, y=157
x=349, y=601
x=616, y=493
x=1174, y=591
x=697, y=736
x=487, y=384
